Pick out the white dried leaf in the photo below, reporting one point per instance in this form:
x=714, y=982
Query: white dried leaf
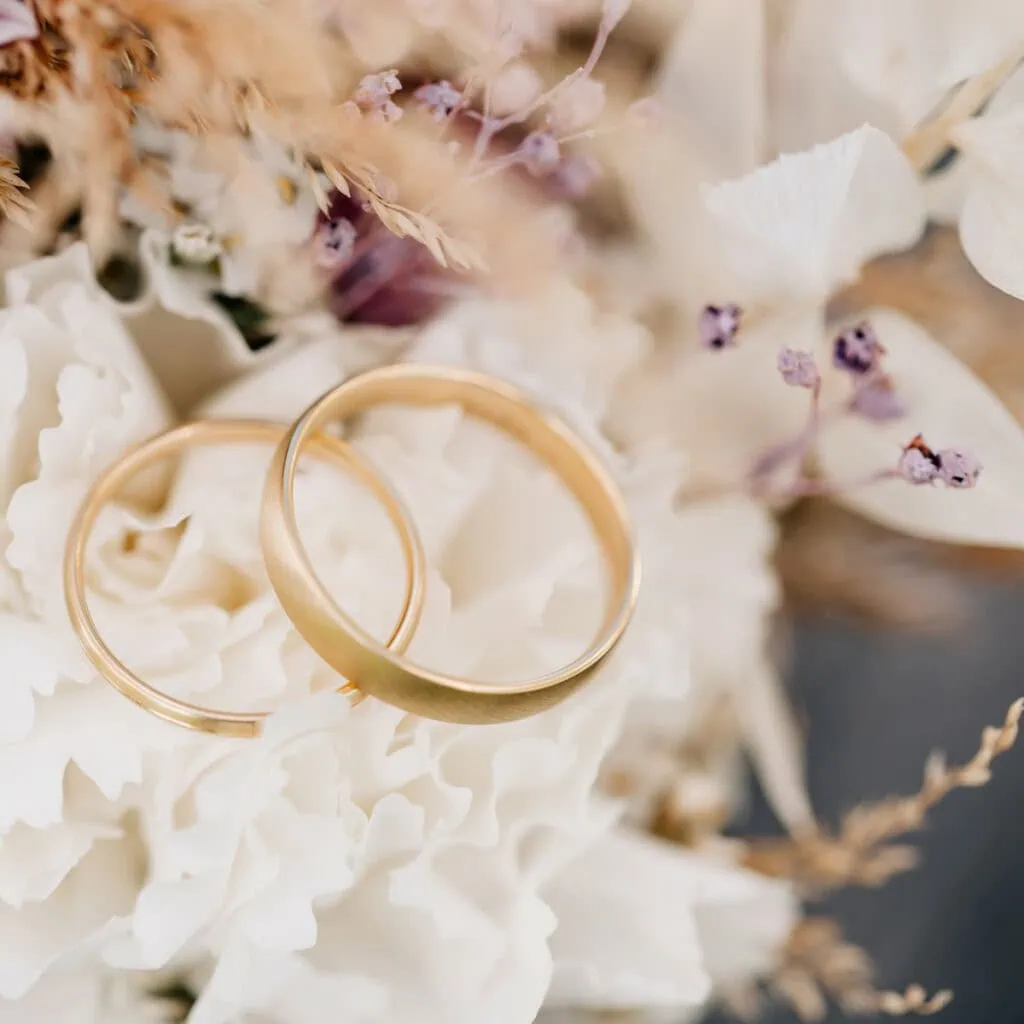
x=716, y=104
x=992, y=219
x=803, y=225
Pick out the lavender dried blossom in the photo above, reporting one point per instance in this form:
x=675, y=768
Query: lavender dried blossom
x=540, y=153
x=719, y=325
x=17, y=22
x=858, y=350
x=798, y=369
x=878, y=400
x=439, y=99
x=576, y=175
x=918, y=464
x=958, y=468
x=334, y=243
x=374, y=95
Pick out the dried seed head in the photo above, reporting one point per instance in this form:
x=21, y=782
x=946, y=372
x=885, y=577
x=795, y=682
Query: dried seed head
x=719, y=325
x=878, y=400
x=858, y=350
x=540, y=153
x=798, y=369
x=439, y=99
x=918, y=464
x=958, y=468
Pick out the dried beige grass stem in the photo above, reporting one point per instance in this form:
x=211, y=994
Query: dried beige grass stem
x=819, y=966
x=858, y=855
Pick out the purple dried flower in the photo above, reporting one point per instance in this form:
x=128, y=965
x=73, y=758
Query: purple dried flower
x=918, y=464
x=958, y=468
x=857, y=349
x=539, y=152
x=374, y=95
x=17, y=22
x=719, y=325
x=333, y=243
x=878, y=400
x=798, y=369
x=576, y=174
x=439, y=99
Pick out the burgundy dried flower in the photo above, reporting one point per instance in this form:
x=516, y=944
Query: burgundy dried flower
x=439, y=99
x=540, y=153
x=798, y=369
x=387, y=281
x=857, y=350
x=958, y=468
x=878, y=400
x=918, y=464
x=719, y=325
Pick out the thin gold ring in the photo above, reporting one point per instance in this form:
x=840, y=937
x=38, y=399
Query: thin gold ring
x=349, y=649
x=205, y=432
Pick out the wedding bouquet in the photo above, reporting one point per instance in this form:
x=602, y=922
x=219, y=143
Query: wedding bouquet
x=649, y=218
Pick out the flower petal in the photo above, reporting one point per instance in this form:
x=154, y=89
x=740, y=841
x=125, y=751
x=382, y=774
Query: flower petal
x=799, y=227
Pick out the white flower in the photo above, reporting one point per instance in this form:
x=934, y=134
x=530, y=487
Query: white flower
x=351, y=857
x=75, y=394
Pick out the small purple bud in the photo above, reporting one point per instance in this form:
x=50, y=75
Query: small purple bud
x=958, y=468
x=439, y=99
x=857, y=349
x=334, y=243
x=918, y=464
x=540, y=153
x=878, y=400
x=798, y=369
x=576, y=174
x=719, y=325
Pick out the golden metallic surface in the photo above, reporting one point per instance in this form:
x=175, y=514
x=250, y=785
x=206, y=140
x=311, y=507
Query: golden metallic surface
x=356, y=655
x=190, y=435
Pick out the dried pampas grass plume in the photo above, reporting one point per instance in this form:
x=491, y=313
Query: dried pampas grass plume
x=233, y=69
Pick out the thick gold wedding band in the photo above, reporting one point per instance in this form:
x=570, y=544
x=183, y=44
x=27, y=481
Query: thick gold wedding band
x=356, y=655
x=189, y=435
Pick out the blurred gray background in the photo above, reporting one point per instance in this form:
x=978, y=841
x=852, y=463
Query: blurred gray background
x=876, y=702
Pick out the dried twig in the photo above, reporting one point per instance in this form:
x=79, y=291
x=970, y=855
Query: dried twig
x=819, y=965
x=858, y=854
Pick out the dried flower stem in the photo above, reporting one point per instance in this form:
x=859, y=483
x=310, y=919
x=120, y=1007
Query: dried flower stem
x=928, y=142
x=857, y=856
x=818, y=965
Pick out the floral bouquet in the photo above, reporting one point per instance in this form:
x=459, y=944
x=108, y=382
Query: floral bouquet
x=679, y=226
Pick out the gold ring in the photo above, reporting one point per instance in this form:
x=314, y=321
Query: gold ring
x=349, y=649
x=204, y=432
